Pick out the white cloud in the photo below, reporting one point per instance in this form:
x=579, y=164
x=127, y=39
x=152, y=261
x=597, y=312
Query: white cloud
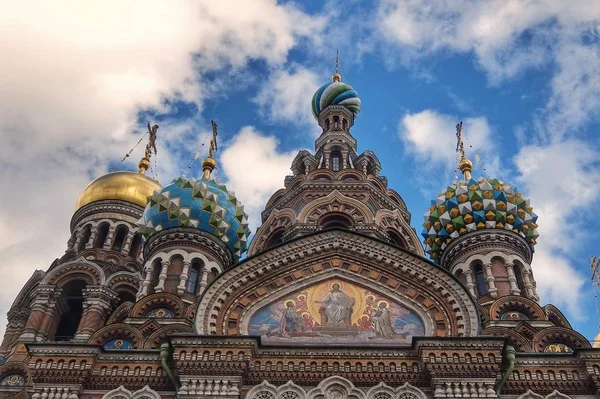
x=563, y=185
x=431, y=137
x=286, y=97
x=255, y=169
x=74, y=76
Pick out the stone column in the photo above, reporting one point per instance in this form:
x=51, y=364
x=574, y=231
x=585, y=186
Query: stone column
x=78, y=238
x=529, y=287
x=514, y=288
x=71, y=242
x=470, y=283
x=160, y=287
x=203, y=279
x=42, y=308
x=109, y=238
x=226, y=387
x=145, y=284
x=327, y=159
x=93, y=235
x=17, y=319
x=344, y=159
x=185, y=274
x=490, y=280
x=98, y=301
x=127, y=244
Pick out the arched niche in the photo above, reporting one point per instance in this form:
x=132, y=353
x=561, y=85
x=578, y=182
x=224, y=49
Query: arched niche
x=337, y=309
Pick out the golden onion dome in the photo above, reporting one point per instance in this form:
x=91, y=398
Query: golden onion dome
x=131, y=187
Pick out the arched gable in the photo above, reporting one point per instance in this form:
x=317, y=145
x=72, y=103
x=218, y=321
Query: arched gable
x=80, y=268
x=336, y=202
x=391, y=275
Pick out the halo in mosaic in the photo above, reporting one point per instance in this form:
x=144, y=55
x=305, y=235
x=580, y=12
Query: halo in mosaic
x=335, y=93
x=476, y=205
x=201, y=204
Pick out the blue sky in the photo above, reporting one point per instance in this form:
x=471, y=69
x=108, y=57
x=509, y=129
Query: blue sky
x=78, y=88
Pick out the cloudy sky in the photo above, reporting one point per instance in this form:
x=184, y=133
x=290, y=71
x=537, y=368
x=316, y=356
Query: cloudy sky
x=79, y=80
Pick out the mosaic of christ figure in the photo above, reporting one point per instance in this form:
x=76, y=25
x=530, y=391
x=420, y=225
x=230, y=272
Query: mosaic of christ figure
x=336, y=308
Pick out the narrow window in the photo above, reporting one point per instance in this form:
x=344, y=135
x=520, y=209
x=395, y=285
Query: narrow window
x=518, y=276
x=192, y=283
x=480, y=281
x=119, y=238
x=327, y=124
x=345, y=124
x=69, y=321
x=136, y=245
x=336, y=122
x=102, y=233
x=335, y=161
x=86, y=237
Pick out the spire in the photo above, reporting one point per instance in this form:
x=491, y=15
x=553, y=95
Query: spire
x=465, y=165
x=209, y=163
x=336, y=76
x=144, y=163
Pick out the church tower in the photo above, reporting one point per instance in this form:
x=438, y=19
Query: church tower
x=336, y=187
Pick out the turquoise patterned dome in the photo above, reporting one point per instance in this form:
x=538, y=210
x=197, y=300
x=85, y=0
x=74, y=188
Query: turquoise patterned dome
x=335, y=93
x=202, y=204
x=476, y=205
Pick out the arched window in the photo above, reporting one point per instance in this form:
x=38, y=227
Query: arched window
x=461, y=276
x=480, y=281
x=327, y=124
x=156, y=272
x=136, y=245
x=336, y=160
x=125, y=296
x=396, y=239
x=336, y=220
x=86, y=237
x=519, y=276
x=119, y=238
x=102, y=233
x=194, y=276
x=275, y=238
x=345, y=124
x=336, y=122
x=69, y=321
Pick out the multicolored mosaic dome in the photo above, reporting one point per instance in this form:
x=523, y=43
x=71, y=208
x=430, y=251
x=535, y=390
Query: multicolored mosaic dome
x=476, y=205
x=335, y=93
x=203, y=204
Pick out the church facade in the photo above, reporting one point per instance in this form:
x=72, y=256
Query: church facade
x=335, y=298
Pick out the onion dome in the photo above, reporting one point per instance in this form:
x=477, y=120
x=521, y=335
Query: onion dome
x=335, y=93
x=132, y=187
x=203, y=204
x=475, y=205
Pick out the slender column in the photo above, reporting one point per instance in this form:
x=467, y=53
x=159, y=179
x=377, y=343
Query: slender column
x=160, y=287
x=327, y=159
x=490, y=280
x=109, y=238
x=185, y=274
x=93, y=234
x=344, y=159
x=145, y=284
x=43, y=303
x=127, y=244
x=203, y=279
x=78, y=238
x=514, y=288
x=98, y=301
x=529, y=288
x=470, y=283
x=71, y=242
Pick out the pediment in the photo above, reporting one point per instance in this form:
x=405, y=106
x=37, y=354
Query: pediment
x=371, y=271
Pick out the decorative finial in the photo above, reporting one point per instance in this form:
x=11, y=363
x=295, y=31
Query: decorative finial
x=465, y=165
x=144, y=163
x=336, y=76
x=209, y=163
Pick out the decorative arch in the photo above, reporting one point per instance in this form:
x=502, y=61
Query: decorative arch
x=121, y=313
x=160, y=336
x=81, y=268
x=356, y=257
x=530, y=395
x=333, y=385
x=559, y=335
x=556, y=316
x=17, y=372
x=394, y=219
x=516, y=302
x=120, y=330
x=162, y=299
x=278, y=219
x=336, y=202
x=124, y=280
x=124, y=393
x=406, y=391
x=520, y=343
